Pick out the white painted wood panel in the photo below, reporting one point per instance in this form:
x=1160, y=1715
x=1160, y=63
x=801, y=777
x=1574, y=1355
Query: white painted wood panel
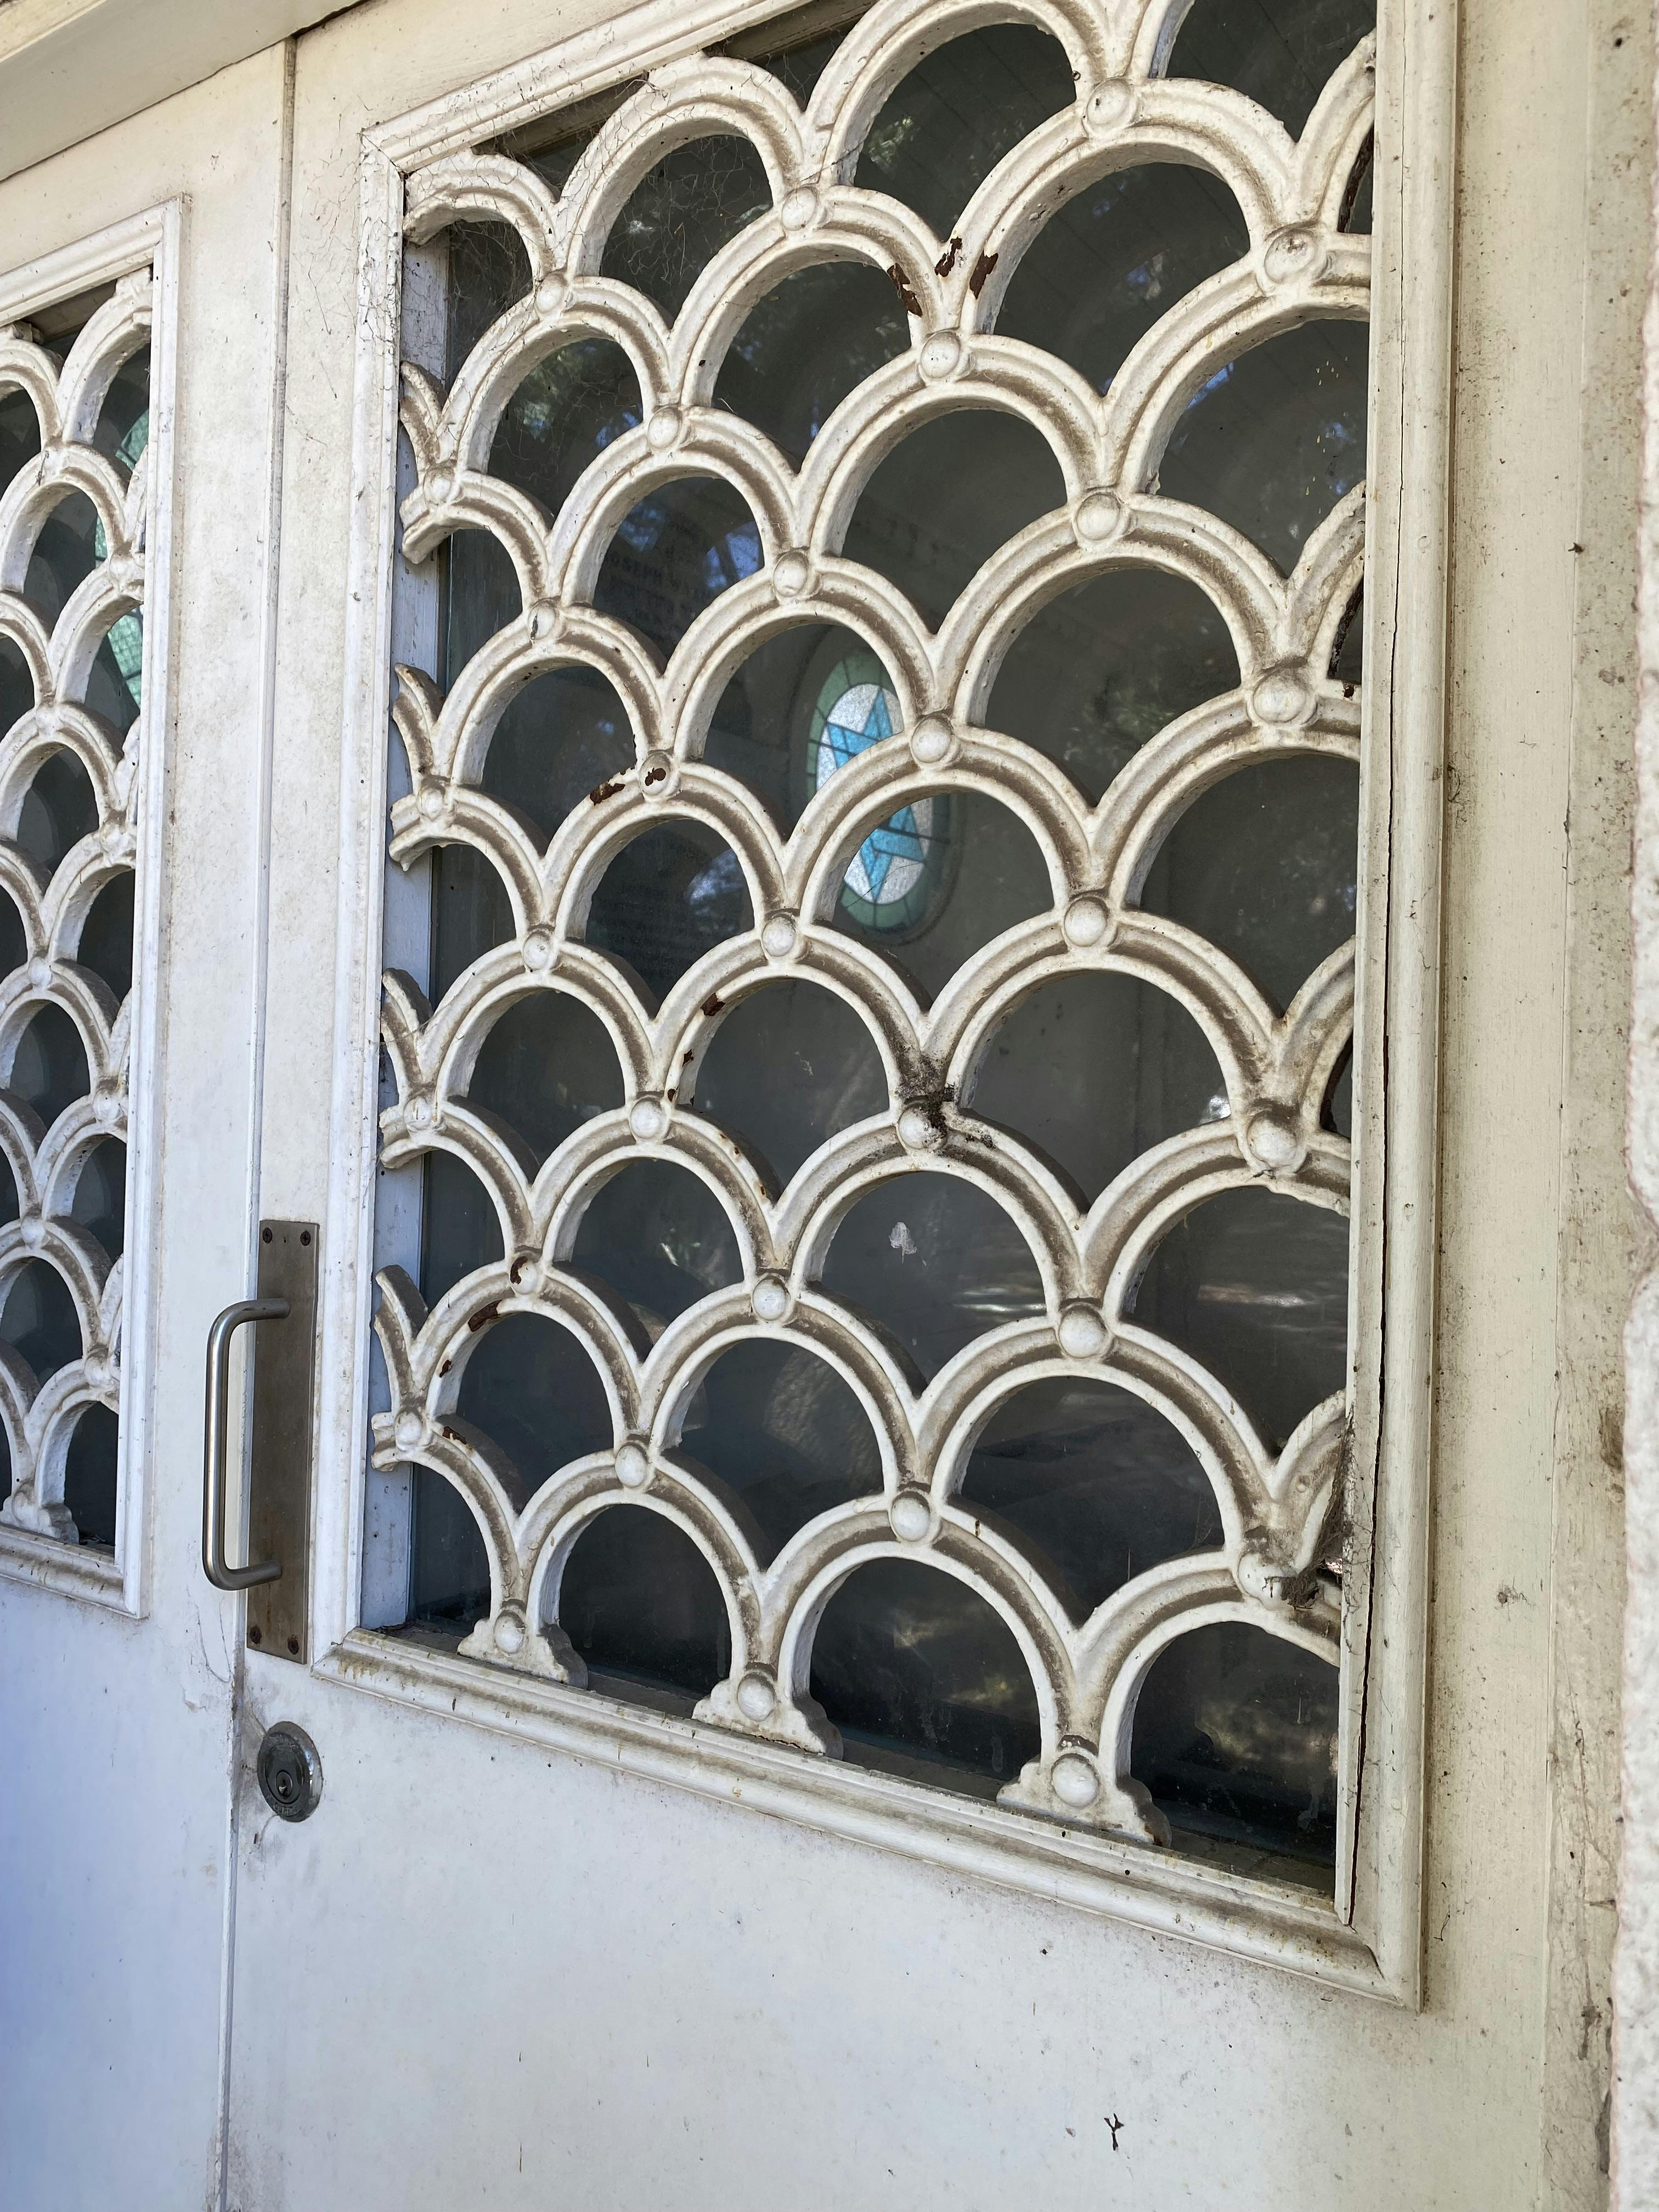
x=120, y=1731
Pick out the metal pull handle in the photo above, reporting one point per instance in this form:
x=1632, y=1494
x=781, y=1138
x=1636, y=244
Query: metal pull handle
x=223, y=1577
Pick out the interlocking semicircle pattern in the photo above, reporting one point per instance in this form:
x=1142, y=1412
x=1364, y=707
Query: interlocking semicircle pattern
x=68, y=397
x=1300, y=266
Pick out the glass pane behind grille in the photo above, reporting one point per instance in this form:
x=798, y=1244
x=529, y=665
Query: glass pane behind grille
x=920, y=1059
x=68, y=761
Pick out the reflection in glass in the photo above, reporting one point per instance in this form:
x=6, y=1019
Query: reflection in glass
x=934, y=1263
x=59, y=810
x=105, y=945
x=798, y=67
x=449, y=1568
x=893, y=878
x=673, y=555
x=90, y=1470
x=1348, y=648
x=1355, y=216
x=779, y=1427
x=547, y=1066
x=948, y=497
x=122, y=428
x=481, y=595
x=1338, y=1114
x=912, y=1665
x=1255, y=1283
x=1095, y=1482
x=1278, y=52
x=990, y=876
x=471, y=913
x=658, y=1235
x=1104, y=667
x=670, y=896
x=695, y=200
x=640, y=1601
x=37, y=1319
x=1264, y=865
x=955, y=115
x=1276, y=437
x=531, y=1386
x=16, y=689
x=788, y=1068
x=802, y=349
x=768, y=716
x=489, y=272
x=116, y=690
x=67, y=551
x=49, y=1070
x=19, y=433
x=570, y=406
x=115, y=683
x=932, y=884
x=101, y=1195
x=1116, y=258
x=460, y=1228
x=1235, y=1738
x=1093, y=1069
x=563, y=737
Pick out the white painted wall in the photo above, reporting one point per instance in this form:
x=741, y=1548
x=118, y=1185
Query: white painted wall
x=69, y=68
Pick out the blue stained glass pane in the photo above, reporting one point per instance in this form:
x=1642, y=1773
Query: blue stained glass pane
x=890, y=866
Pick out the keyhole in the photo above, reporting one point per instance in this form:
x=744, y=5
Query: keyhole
x=290, y=1773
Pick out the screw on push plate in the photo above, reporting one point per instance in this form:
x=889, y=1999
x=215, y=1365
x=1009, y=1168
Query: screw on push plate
x=290, y=1773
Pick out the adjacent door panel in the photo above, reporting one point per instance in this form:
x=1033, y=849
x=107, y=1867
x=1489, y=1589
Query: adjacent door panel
x=117, y=1697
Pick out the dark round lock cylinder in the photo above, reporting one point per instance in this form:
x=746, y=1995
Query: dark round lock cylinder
x=290, y=1773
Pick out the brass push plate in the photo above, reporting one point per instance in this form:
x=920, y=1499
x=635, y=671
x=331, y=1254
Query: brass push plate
x=283, y=1353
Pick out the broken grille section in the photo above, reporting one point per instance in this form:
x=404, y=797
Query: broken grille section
x=824, y=874
x=74, y=499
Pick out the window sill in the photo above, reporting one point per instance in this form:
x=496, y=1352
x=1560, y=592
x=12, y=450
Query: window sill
x=78, y=1570
x=1278, y=1924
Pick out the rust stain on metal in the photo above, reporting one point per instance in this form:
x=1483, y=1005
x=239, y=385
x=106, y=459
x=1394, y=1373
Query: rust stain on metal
x=485, y=1315
x=906, y=291
x=601, y=791
x=711, y=1005
x=947, y=261
x=981, y=275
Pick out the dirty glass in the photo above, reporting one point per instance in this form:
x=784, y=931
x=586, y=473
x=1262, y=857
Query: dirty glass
x=1083, y=1070
x=66, y=935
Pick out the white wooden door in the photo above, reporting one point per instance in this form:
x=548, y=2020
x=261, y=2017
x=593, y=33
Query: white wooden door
x=139, y=296
x=869, y=1604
